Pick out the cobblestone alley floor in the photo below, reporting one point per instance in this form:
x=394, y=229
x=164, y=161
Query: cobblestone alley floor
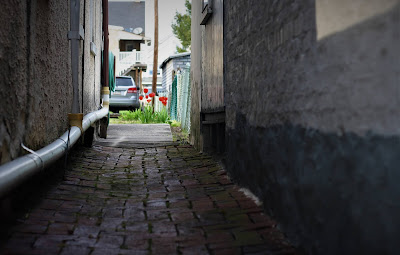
x=162, y=200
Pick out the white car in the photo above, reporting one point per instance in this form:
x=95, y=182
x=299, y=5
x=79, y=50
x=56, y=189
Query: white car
x=126, y=94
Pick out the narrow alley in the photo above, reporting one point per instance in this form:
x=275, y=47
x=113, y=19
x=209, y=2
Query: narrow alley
x=159, y=198
x=200, y=127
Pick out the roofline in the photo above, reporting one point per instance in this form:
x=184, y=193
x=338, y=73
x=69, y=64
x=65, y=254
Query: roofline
x=119, y=28
x=174, y=56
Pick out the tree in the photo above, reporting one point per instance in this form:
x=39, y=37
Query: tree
x=182, y=27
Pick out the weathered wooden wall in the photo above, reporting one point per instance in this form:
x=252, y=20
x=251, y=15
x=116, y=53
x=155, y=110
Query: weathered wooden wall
x=207, y=76
x=195, y=71
x=212, y=56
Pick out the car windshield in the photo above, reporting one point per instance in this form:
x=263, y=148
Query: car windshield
x=124, y=82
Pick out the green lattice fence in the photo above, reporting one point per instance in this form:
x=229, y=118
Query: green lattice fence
x=179, y=98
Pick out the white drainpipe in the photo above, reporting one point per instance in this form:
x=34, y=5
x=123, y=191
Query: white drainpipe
x=21, y=169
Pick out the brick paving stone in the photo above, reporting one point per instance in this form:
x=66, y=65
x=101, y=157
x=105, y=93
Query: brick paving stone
x=109, y=242
x=76, y=250
x=227, y=251
x=64, y=217
x=161, y=200
x=60, y=229
x=31, y=228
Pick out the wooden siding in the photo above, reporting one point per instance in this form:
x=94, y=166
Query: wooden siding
x=212, y=59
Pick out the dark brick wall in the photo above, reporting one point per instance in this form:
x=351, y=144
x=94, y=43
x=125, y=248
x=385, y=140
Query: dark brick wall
x=311, y=89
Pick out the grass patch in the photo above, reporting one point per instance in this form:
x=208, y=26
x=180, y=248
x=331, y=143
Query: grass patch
x=118, y=121
x=130, y=115
x=139, y=116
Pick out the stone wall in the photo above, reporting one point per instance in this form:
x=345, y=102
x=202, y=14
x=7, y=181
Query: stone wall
x=311, y=93
x=35, y=76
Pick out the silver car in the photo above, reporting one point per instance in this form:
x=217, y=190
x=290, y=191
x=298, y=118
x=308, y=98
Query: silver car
x=126, y=94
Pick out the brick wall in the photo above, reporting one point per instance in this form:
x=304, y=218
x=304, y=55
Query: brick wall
x=311, y=94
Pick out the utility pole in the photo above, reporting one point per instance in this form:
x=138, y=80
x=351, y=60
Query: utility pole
x=155, y=59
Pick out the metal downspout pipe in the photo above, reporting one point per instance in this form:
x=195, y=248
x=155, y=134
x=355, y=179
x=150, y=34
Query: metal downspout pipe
x=21, y=169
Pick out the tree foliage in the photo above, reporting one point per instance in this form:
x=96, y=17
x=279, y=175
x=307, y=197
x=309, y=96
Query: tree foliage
x=181, y=27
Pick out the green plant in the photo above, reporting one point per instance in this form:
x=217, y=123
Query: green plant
x=175, y=123
x=147, y=115
x=162, y=116
x=130, y=115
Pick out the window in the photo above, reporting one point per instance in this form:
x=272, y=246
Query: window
x=129, y=47
x=122, y=81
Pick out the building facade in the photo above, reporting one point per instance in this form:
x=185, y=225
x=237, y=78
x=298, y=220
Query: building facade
x=36, y=83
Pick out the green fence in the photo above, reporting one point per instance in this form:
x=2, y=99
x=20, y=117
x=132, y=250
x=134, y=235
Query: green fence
x=179, y=99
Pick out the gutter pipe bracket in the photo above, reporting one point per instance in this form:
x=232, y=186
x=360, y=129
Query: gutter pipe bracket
x=105, y=94
x=75, y=119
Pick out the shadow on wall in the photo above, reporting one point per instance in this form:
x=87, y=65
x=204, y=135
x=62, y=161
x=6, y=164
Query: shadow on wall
x=327, y=166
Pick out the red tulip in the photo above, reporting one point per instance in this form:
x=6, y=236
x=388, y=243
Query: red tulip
x=149, y=100
x=152, y=94
x=147, y=97
x=141, y=97
x=164, y=103
x=146, y=90
x=161, y=99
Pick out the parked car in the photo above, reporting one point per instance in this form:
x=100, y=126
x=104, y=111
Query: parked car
x=126, y=94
